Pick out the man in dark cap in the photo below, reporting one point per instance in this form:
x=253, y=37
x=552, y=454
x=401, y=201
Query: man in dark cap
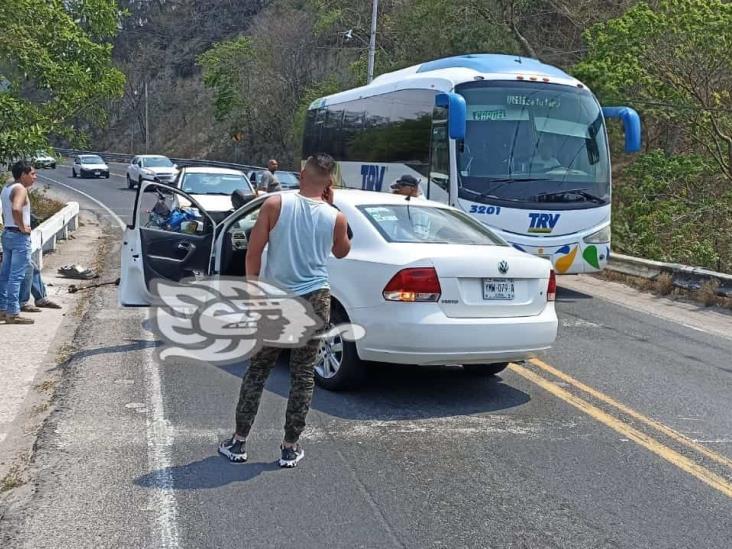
x=407, y=185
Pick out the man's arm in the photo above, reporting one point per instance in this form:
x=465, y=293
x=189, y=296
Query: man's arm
x=19, y=197
x=259, y=236
x=341, y=242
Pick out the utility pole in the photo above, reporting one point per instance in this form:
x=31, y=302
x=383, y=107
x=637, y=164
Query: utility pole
x=147, y=126
x=372, y=41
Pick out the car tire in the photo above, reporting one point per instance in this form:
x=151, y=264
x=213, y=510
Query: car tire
x=106, y=176
x=338, y=366
x=485, y=370
x=73, y=172
x=53, y=166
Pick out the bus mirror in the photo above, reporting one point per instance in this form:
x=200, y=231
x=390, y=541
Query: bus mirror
x=456, y=113
x=631, y=126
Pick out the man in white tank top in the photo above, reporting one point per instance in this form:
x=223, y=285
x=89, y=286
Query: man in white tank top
x=302, y=229
x=16, y=241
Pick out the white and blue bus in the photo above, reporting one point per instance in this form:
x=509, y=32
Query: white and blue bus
x=520, y=145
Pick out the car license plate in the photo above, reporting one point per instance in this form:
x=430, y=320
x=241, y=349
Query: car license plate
x=97, y=172
x=498, y=288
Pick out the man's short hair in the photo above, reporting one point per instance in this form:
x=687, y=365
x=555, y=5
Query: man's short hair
x=321, y=164
x=20, y=168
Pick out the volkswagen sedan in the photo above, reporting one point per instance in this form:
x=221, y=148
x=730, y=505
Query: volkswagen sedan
x=428, y=284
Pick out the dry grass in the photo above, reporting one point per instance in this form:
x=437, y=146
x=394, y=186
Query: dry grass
x=664, y=284
x=46, y=386
x=12, y=480
x=707, y=294
x=42, y=206
x=64, y=353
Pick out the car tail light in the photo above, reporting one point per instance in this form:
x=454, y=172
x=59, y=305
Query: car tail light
x=551, y=289
x=414, y=284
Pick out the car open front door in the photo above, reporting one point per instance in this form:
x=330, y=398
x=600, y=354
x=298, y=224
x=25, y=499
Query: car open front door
x=163, y=243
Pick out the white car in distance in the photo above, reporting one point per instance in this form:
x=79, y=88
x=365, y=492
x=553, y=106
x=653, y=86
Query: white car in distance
x=89, y=165
x=150, y=167
x=429, y=284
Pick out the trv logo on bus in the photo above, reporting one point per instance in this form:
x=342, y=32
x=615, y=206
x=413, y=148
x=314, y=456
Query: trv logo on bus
x=372, y=177
x=542, y=222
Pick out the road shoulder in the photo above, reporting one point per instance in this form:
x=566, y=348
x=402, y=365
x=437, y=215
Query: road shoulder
x=710, y=320
x=33, y=358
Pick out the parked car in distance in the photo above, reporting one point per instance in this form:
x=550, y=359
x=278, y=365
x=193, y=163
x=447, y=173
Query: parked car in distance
x=150, y=167
x=288, y=180
x=212, y=188
x=89, y=165
x=429, y=284
x=43, y=160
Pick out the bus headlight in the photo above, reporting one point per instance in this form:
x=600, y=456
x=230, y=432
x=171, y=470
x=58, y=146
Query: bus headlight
x=599, y=237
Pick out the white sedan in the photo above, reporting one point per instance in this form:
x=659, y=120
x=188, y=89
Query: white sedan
x=429, y=285
x=150, y=167
x=89, y=165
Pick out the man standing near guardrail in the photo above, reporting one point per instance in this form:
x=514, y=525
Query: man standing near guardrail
x=16, y=241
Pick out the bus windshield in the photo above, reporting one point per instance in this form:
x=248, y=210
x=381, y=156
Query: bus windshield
x=533, y=145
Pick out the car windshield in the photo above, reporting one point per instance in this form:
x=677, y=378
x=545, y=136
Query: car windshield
x=288, y=179
x=91, y=159
x=157, y=162
x=428, y=225
x=214, y=183
x=543, y=145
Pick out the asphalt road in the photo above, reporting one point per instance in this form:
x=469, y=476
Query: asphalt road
x=620, y=436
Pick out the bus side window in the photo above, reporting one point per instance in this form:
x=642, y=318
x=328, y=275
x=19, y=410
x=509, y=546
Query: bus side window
x=439, y=179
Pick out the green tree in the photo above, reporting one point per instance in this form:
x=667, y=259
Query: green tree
x=55, y=70
x=674, y=208
x=674, y=63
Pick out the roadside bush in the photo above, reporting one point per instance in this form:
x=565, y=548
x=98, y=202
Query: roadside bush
x=42, y=207
x=674, y=208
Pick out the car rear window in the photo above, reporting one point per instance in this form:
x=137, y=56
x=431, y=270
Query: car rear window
x=90, y=159
x=428, y=225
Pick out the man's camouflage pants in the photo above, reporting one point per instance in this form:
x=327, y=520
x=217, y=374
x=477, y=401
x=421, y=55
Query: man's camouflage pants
x=302, y=363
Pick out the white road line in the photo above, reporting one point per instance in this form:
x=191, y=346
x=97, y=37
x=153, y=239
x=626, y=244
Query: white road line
x=694, y=328
x=117, y=218
x=159, y=441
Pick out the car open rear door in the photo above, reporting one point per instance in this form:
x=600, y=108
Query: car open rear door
x=163, y=243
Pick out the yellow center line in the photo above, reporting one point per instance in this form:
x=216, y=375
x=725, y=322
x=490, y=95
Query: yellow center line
x=678, y=437
x=682, y=462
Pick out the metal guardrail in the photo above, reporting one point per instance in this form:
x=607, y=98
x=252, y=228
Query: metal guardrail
x=182, y=162
x=57, y=227
x=682, y=276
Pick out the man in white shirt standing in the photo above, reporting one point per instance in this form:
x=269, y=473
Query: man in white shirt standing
x=16, y=241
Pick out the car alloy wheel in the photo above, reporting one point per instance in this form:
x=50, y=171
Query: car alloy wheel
x=337, y=365
x=330, y=356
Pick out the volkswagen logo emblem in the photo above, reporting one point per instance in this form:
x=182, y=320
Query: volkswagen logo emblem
x=503, y=267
